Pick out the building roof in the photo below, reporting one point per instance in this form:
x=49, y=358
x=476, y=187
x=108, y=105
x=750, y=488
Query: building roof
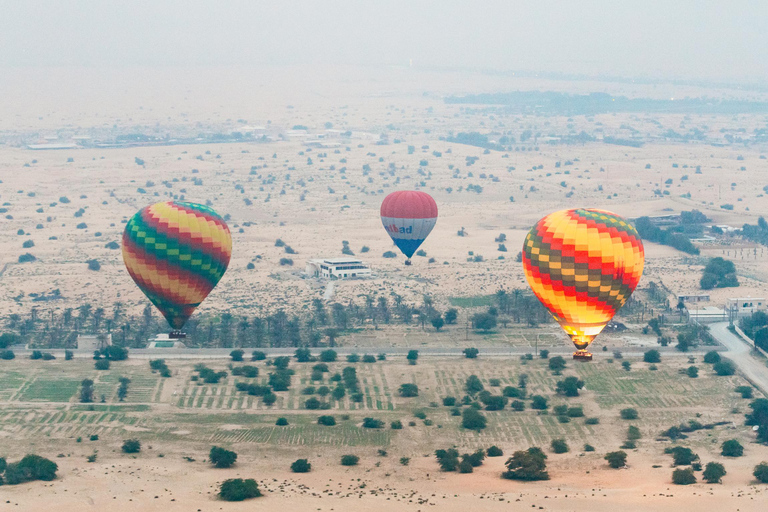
x=341, y=261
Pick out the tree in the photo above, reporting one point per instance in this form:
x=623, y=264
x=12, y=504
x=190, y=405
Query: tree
x=222, y=458
x=372, y=423
x=539, y=402
x=628, y=414
x=692, y=372
x=471, y=353
x=472, y=419
x=301, y=466
x=559, y=446
x=683, y=477
x=349, y=460
x=447, y=459
x=713, y=473
x=761, y=472
x=732, y=448
x=237, y=355
x=652, y=356
x=326, y=420
x=759, y=418
x=412, y=356
x=682, y=456
x=570, y=386
x=328, y=356
x=237, y=489
x=258, y=355
x=312, y=404
x=86, y=391
x=438, y=322
x=712, y=357
x=31, y=467
x=115, y=353
x=302, y=355
x=122, y=391
x=616, y=459
x=473, y=385
x=102, y=364
x=557, y=364
x=451, y=315
x=483, y=321
x=724, y=368
x=131, y=446
x=527, y=465
x=494, y=451
x=409, y=390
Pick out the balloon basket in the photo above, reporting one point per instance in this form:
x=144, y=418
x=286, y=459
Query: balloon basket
x=408, y=262
x=177, y=335
x=582, y=355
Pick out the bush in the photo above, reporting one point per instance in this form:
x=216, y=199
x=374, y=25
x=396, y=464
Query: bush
x=349, y=460
x=518, y=405
x=628, y=414
x=652, y=356
x=412, y=356
x=544, y=353
x=692, y=372
x=312, y=404
x=94, y=265
x=326, y=420
x=222, y=458
x=616, y=459
x=724, y=368
x=102, y=364
x=353, y=358
x=372, y=423
x=633, y=433
x=237, y=489
x=744, y=391
x=559, y=446
x=301, y=466
x=368, y=358
x=761, y=472
x=408, y=390
x=557, y=364
x=131, y=446
x=570, y=386
x=527, y=465
x=713, y=473
x=31, y=467
x=237, y=355
x=682, y=456
x=258, y=355
x=494, y=451
x=396, y=425
x=473, y=420
x=589, y=448
x=449, y=401
x=592, y=421
x=712, y=357
x=281, y=422
x=471, y=353
x=473, y=385
x=68, y=355
x=328, y=356
x=539, y=402
x=7, y=355
x=732, y=448
x=683, y=477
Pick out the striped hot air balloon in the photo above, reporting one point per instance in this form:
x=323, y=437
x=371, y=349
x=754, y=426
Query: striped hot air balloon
x=176, y=253
x=583, y=265
x=408, y=216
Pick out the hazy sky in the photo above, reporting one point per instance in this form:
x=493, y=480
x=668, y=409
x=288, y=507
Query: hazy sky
x=725, y=40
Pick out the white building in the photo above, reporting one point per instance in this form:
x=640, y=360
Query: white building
x=164, y=341
x=745, y=306
x=337, y=268
x=706, y=314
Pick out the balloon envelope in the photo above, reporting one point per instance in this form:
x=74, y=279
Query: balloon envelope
x=408, y=216
x=176, y=253
x=583, y=265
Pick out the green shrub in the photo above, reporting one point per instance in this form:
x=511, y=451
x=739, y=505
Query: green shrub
x=527, y=465
x=372, y=423
x=349, y=460
x=472, y=419
x=237, y=489
x=326, y=420
x=713, y=473
x=732, y=448
x=281, y=422
x=408, y=390
x=222, y=458
x=616, y=459
x=559, y=446
x=592, y=421
x=518, y=405
x=494, y=451
x=683, y=477
x=396, y=425
x=539, y=402
x=724, y=368
x=301, y=466
x=589, y=448
x=651, y=356
x=131, y=446
x=761, y=472
x=449, y=401
x=744, y=391
x=629, y=414
x=102, y=364
x=712, y=357
x=30, y=468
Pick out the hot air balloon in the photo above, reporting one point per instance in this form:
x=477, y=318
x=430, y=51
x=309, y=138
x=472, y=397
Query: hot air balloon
x=408, y=216
x=583, y=265
x=176, y=252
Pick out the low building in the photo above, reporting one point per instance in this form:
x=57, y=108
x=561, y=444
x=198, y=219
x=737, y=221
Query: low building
x=165, y=341
x=93, y=342
x=707, y=314
x=745, y=306
x=693, y=299
x=337, y=268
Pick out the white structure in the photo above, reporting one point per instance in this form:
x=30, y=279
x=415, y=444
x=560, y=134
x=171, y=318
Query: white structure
x=165, y=341
x=337, y=268
x=93, y=342
x=741, y=306
x=706, y=314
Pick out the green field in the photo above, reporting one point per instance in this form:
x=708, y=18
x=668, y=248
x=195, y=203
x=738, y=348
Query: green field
x=41, y=399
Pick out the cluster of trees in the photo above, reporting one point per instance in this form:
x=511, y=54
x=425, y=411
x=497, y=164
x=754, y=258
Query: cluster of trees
x=528, y=465
x=757, y=232
x=449, y=460
x=30, y=468
x=719, y=273
x=652, y=233
x=756, y=327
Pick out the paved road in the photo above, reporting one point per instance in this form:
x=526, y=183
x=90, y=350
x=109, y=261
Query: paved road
x=740, y=352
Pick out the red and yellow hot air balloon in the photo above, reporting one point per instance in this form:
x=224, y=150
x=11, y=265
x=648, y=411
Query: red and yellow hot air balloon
x=176, y=252
x=583, y=265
